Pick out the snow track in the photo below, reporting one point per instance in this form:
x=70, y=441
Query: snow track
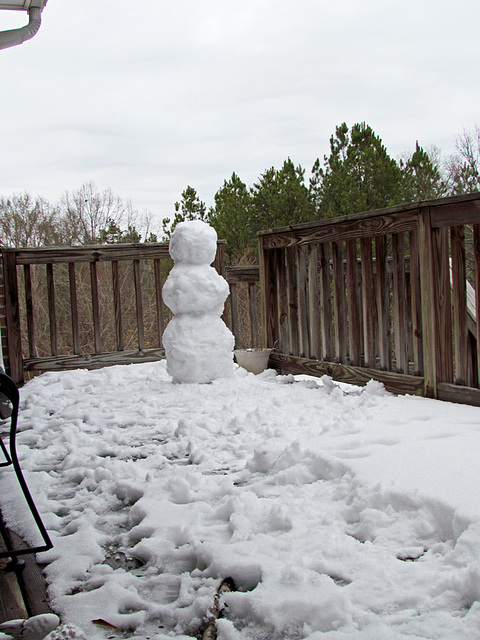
x=311, y=498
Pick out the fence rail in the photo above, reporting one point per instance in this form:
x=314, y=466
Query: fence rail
x=379, y=295
x=390, y=294
x=93, y=306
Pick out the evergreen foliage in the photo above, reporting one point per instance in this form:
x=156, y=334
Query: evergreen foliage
x=358, y=175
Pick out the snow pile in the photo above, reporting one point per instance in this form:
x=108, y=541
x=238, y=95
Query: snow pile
x=339, y=513
x=198, y=344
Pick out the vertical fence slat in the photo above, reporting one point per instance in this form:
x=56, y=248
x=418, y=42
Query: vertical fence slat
x=443, y=345
x=339, y=302
x=325, y=301
x=428, y=290
x=159, y=300
x=416, y=303
x=97, y=338
x=302, y=285
x=234, y=312
x=368, y=302
x=354, y=330
x=282, y=300
x=51, y=310
x=459, y=300
x=269, y=310
x=314, y=303
x=383, y=304
x=117, y=305
x=72, y=280
x=12, y=312
x=252, y=303
x=476, y=266
x=139, y=304
x=32, y=348
x=292, y=297
x=399, y=303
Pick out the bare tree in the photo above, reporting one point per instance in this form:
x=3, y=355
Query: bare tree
x=28, y=222
x=463, y=167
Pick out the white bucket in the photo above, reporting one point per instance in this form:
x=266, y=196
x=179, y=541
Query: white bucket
x=253, y=360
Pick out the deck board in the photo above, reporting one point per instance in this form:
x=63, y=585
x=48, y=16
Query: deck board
x=23, y=592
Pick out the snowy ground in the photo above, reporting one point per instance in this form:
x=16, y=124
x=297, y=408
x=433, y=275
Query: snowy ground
x=340, y=513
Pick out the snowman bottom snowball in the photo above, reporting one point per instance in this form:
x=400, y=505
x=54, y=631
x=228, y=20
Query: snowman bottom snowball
x=198, y=348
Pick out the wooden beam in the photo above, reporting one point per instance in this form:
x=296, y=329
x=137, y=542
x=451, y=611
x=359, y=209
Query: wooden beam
x=92, y=360
x=394, y=382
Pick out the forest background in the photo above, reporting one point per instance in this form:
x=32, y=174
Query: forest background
x=357, y=175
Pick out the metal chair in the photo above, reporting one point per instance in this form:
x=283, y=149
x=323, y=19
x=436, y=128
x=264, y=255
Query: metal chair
x=9, y=391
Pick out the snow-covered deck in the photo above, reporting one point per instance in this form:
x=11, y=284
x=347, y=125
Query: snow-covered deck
x=339, y=512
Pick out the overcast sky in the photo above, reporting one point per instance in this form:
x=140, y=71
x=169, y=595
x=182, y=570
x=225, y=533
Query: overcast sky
x=149, y=97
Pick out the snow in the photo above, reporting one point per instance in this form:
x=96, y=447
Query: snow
x=339, y=512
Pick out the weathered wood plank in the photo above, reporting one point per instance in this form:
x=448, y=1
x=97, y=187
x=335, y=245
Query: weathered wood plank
x=252, y=304
x=137, y=279
x=368, y=302
x=443, y=344
x=32, y=347
x=159, y=300
x=267, y=282
x=292, y=300
x=92, y=253
x=14, y=360
x=396, y=219
x=353, y=307
x=459, y=301
x=234, y=314
x=93, y=361
x=399, y=296
x=337, y=230
x=394, y=382
x=325, y=301
x=339, y=302
x=416, y=303
x=314, y=303
x=429, y=295
x=282, y=299
x=242, y=274
x=448, y=214
x=97, y=338
x=383, y=303
x=458, y=393
x=32, y=582
x=12, y=605
x=476, y=253
x=102, y=253
x=302, y=287
x=52, y=315
x=73, y=308
x=117, y=305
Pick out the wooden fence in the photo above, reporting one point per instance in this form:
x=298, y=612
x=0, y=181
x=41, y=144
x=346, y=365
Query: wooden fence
x=379, y=295
x=93, y=306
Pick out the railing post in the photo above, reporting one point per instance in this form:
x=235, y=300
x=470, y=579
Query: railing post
x=429, y=303
x=13, y=355
x=269, y=298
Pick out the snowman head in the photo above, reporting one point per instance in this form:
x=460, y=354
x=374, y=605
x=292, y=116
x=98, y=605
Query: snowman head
x=193, y=242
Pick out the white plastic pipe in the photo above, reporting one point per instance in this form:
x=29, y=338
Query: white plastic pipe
x=18, y=36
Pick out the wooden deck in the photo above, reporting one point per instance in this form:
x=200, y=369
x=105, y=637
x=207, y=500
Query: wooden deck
x=23, y=591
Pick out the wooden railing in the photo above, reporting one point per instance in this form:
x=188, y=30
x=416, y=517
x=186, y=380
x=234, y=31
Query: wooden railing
x=379, y=295
x=92, y=306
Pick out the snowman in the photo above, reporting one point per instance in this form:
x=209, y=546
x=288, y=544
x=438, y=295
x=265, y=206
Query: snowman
x=198, y=344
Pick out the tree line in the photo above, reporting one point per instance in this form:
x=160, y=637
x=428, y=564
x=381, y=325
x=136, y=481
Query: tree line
x=357, y=175
x=85, y=216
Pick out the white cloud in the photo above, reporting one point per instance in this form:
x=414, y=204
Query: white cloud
x=147, y=99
